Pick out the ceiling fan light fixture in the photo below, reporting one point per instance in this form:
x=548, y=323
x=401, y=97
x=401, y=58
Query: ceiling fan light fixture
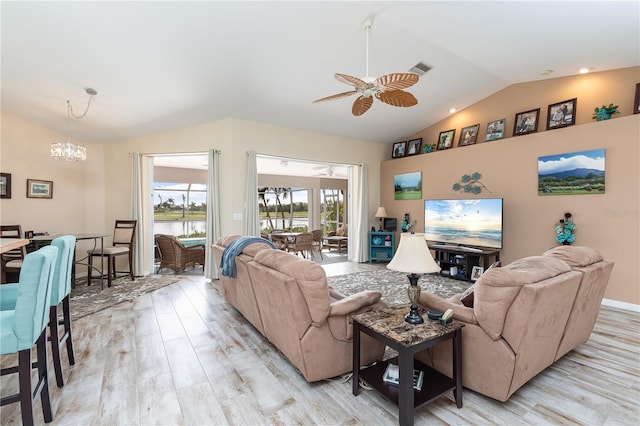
x=387, y=88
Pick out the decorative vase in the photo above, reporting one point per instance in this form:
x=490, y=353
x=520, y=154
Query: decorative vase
x=566, y=243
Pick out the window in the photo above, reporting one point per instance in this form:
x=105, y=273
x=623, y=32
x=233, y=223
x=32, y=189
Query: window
x=179, y=209
x=283, y=208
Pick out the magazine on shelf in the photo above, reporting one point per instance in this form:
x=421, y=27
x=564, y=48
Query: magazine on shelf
x=392, y=376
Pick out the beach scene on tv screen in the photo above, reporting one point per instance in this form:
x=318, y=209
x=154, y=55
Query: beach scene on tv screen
x=472, y=222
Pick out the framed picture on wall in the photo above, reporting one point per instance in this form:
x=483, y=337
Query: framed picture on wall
x=5, y=185
x=413, y=146
x=526, y=122
x=445, y=140
x=561, y=114
x=39, y=188
x=398, y=149
x=469, y=135
x=495, y=130
x=636, y=102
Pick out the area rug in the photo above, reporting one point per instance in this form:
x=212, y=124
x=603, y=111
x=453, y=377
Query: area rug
x=86, y=300
x=393, y=285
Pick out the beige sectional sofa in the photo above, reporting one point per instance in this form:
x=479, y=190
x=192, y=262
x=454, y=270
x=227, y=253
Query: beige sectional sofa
x=525, y=316
x=288, y=300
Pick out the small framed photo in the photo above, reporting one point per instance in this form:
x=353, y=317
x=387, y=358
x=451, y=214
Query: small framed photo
x=445, y=140
x=526, y=122
x=398, y=149
x=495, y=130
x=562, y=114
x=5, y=185
x=39, y=188
x=469, y=135
x=636, y=102
x=413, y=146
x=476, y=272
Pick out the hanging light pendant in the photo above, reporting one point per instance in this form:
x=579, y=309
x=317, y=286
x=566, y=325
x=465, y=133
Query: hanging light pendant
x=66, y=150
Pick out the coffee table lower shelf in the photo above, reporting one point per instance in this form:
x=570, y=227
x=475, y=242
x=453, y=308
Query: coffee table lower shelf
x=434, y=384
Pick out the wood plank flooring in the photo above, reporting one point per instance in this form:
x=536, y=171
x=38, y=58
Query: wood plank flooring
x=183, y=356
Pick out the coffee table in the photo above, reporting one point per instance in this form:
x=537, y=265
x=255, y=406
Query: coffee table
x=388, y=326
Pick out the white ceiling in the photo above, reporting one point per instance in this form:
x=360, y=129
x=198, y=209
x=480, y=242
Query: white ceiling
x=159, y=66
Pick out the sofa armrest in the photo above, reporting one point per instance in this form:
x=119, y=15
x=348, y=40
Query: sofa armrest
x=351, y=304
x=460, y=312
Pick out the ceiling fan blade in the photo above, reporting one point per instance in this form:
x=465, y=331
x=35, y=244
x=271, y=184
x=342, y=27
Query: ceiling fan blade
x=350, y=80
x=397, y=80
x=398, y=98
x=362, y=105
x=336, y=96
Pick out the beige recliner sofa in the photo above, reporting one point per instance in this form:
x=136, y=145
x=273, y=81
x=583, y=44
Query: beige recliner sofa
x=289, y=301
x=525, y=316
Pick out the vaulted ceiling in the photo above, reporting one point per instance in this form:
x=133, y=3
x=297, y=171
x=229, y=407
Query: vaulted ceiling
x=164, y=65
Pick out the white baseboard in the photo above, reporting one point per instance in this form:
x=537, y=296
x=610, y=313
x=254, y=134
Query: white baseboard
x=621, y=305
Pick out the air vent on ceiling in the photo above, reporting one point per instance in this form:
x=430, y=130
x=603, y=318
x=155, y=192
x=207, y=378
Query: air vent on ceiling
x=420, y=68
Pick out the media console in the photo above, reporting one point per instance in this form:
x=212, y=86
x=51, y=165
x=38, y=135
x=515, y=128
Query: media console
x=462, y=260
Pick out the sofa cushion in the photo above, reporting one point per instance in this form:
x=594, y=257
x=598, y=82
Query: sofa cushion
x=575, y=256
x=497, y=288
x=310, y=277
x=466, y=297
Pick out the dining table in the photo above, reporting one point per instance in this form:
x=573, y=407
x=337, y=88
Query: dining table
x=8, y=244
x=283, y=238
x=98, y=238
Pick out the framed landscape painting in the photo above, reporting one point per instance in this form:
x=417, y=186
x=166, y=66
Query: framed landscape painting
x=408, y=186
x=573, y=173
x=39, y=188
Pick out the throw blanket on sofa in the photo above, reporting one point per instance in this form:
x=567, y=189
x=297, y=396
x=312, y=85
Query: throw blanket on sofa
x=228, y=261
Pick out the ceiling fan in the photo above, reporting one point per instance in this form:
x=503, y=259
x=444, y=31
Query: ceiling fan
x=387, y=88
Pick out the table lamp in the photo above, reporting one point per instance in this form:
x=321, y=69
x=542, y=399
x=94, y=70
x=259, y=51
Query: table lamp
x=413, y=257
x=381, y=213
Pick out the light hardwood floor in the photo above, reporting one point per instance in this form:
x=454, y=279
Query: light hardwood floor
x=182, y=355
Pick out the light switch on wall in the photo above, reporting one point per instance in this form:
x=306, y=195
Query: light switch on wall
x=237, y=216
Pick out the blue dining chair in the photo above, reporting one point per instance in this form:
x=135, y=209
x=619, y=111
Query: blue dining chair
x=60, y=293
x=25, y=326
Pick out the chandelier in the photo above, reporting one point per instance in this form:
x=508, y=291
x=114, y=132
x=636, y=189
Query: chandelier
x=69, y=151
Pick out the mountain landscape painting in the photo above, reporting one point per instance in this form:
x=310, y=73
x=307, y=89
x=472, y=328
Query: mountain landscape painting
x=573, y=173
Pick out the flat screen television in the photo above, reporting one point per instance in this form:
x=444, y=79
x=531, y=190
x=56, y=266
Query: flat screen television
x=473, y=222
x=390, y=224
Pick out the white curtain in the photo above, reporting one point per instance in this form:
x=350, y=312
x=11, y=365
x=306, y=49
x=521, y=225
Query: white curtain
x=252, y=222
x=358, y=214
x=213, y=214
x=137, y=213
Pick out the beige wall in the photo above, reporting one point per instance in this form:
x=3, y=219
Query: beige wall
x=234, y=138
x=608, y=222
x=77, y=205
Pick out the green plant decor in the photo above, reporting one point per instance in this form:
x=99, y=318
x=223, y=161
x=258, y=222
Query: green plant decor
x=605, y=112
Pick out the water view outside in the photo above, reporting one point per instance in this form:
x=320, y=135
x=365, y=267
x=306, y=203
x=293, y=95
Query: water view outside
x=179, y=227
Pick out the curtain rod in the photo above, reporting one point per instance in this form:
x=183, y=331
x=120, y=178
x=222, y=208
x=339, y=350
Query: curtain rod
x=157, y=154
x=277, y=157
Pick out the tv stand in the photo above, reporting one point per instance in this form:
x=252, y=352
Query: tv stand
x=463, y=259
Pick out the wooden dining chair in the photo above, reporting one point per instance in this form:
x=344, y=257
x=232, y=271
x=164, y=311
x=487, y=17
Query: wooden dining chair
x=317, y=240
x=123, y=235
x=11, y=261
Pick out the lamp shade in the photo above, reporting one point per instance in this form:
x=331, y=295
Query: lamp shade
x=381, y=212
x=413, y=256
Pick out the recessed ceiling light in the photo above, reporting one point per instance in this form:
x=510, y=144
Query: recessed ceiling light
x=584, y=70
x=452, y=110
x=546, y=72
